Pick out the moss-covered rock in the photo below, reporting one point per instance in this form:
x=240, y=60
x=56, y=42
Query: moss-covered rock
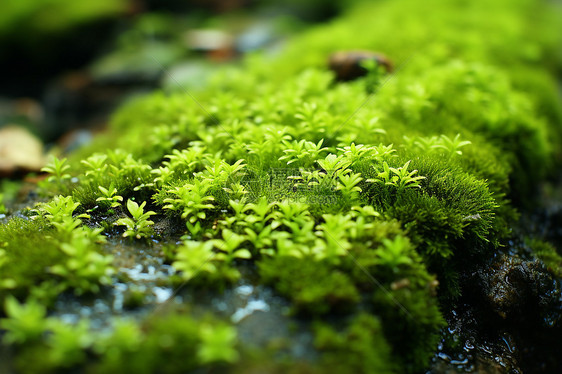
x=358, y=202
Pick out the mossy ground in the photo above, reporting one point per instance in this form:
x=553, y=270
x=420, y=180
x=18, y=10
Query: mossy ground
x=359, y=203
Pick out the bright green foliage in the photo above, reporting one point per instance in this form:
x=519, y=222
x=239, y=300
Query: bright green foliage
x=109, y=196
x=348, y=185
x=547, y=253
x=116, y=168
x=22, y=239
x=24, y=322
x=139, y=226
x=199, y=259
x=302, y=152
x=59, y=208
x=397, y=177
x=362, y=152
x=191, y=200
x=68, y=250
x=334, y=166
x=394, y=253
x=57, y=168
x=256, y=220
x=169, y=343
x=333, y=232
x=229, y=246
x=96, y=166
x=220, y=173
x=439, y=143
x=85, y=268
x=194, y=258
x=217, y=344
x=68, y=344
x=118, y=345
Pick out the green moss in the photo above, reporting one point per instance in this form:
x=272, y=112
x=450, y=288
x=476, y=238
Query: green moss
x=353, y=201
x=360, y=348
x=50, y=17
x=548, y=254
x=165, y=343
x=59, y=253
x=24, y=238
x=411, y=323
x=313, y=287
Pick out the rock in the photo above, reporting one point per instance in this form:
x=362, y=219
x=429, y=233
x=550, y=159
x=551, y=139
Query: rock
x=348, y=64
x=217, y=44
x=519, y=289
x=20, y=152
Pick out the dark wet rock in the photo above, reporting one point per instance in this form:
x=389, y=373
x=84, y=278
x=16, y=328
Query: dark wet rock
x=518, y=289
x=508, y=320
x=474, y=343
x=348, y=65
x=168, y=227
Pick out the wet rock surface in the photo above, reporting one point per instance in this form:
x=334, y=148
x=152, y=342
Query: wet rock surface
x=508, y=320
x=518, y=290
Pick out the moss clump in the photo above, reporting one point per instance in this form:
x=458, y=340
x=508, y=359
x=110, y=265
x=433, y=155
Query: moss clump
x=312, y=287
x=167, y=343
x=60, y=253
x=21, y=238
x=548, y=254
x=354, y=203
x=360, y=348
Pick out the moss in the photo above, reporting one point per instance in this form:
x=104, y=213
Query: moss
x=360, y=348
x=548, y=254
x=355, y=203
x=402, y=294
x=169, y=346
x=25, y=239
x=313, y=287
x=412, y=328
x=59, y=253
x=167, y=343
